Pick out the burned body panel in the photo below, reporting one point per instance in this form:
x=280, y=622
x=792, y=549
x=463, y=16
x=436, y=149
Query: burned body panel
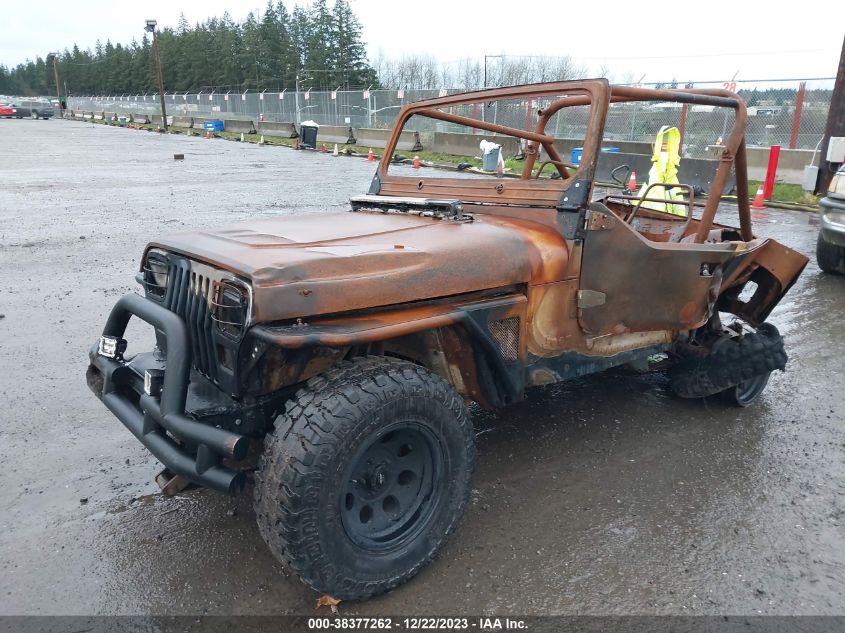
x=646, y=285
x=372, y=259
x=493, y=283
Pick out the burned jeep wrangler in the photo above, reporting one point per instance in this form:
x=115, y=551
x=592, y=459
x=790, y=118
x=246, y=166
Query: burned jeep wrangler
x=345, y=348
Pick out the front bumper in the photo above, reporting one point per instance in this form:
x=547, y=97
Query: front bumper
x=832, y=220
x=185, y=446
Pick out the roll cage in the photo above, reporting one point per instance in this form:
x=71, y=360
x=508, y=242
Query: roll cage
x=574, y=188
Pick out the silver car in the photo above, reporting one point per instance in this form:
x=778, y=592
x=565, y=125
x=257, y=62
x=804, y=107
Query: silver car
x=830, y=248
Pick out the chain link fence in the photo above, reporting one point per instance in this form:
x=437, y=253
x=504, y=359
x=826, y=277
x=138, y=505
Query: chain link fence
x=791, y=113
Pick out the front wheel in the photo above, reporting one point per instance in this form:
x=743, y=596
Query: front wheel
x=365, y=476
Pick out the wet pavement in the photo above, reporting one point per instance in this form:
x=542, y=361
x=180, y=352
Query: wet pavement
x=600, y=496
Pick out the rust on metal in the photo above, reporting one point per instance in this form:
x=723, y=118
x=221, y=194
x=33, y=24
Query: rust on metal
x=498, y=283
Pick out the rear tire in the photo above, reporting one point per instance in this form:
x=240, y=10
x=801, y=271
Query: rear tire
x=737, y=367
x=747, y=392
x=830, y=257
x=365, y=476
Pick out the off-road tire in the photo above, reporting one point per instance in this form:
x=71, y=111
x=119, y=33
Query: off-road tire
x=731, y=361
x=830, y=257
x=304, y=469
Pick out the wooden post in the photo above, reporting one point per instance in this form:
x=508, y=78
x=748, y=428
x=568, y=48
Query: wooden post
x=796, y=118
x=835, y=124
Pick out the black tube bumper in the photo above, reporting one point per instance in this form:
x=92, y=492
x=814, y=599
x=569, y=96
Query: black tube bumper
x=185, y=446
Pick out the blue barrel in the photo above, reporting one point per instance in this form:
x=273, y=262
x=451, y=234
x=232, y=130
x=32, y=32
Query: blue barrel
x=575, y=155
x=214, y=125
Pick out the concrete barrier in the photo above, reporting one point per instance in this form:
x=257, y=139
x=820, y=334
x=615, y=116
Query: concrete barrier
x=343, y=135
x=791, y=162
x=140, y=118
x=697, y=172
x=99, y=116
x=88, y=116
x=280, y=130
x=110, y=116
x=468, y=144
x=239, y=125
x=156, y=119
x=409, y=141
x=182, y=121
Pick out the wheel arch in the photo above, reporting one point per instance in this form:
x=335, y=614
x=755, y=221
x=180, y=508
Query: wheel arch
x=479, y=348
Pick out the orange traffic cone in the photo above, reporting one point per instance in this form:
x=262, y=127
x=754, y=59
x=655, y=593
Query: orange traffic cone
x=416, y=164
x=758, y=199
x=370, y=156
x=632, y=181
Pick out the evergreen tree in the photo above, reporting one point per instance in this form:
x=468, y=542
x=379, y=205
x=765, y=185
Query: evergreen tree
x=264, y=51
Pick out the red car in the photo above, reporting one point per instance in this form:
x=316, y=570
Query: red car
x=6, y=110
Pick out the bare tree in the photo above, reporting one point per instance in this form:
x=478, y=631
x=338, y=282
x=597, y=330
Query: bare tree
x=425, y=72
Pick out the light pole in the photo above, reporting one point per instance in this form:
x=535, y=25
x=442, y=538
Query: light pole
x=484, y=105
x=55, y=57
x=486, y=57
x=296, y=98
x=151, y=28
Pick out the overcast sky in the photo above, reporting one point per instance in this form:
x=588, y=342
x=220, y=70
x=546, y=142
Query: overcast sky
x=708, y=40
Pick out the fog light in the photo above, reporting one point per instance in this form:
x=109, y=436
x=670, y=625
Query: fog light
x=153, y=381
x=112, y=347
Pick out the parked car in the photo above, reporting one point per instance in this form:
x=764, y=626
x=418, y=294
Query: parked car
x=19, y=111
x=6, y=110
x=345, y=347
x=830, y=247
x=39, y=109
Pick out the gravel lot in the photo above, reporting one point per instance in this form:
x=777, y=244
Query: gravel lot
x=600, y=496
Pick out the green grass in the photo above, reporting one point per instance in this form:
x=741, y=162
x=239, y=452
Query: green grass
x=783, y=192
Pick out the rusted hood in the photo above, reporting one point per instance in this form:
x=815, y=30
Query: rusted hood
x=326, y=263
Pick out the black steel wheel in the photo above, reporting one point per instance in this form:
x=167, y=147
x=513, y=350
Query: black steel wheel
x=747, y=392
x=365, y=476
x=392, y=487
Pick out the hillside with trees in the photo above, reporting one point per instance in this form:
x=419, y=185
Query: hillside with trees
x=264, y=51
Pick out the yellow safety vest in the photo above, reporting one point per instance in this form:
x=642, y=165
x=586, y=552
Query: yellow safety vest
x=664, y=168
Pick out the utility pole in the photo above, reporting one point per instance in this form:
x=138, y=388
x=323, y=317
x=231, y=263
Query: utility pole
x=55, y=57
x=151, y=28
x=835, y=125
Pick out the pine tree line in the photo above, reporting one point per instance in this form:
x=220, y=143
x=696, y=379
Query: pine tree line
x=264, y=51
